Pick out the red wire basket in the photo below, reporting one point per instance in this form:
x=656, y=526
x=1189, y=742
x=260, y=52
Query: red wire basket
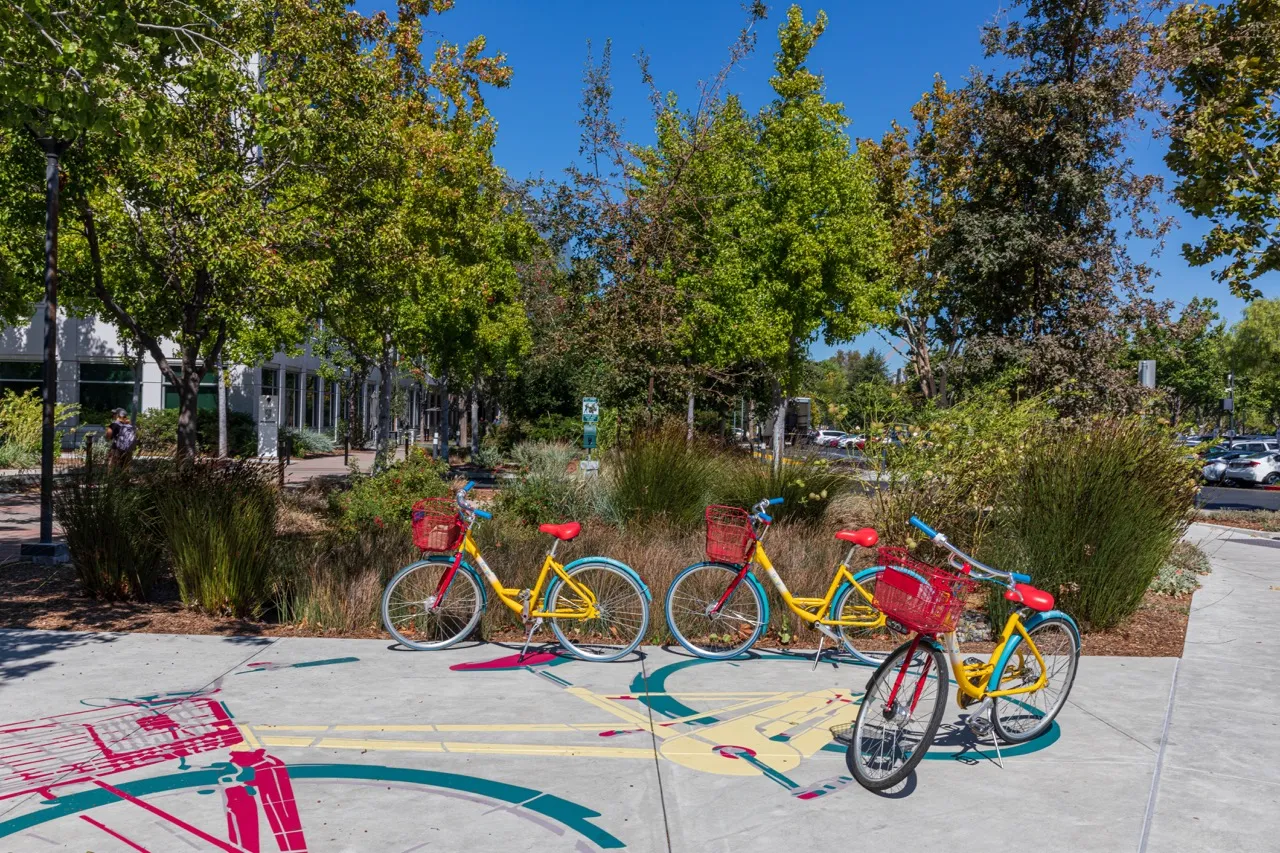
x=923, y=598
x=436, y=525
x=730, y=537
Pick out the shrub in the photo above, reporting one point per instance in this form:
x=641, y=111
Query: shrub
x=308, y=442
x=554, y=428
x=1095, y=513
x=22, y=420
x=158, y=432
x=21, y=458
x=659, y=476
x=335, y=582
x=808, y=486
x=219, y=521
x=955, y=466
x=1180, y=574
x=113, y=533
x=385, y=499
x=548, y=489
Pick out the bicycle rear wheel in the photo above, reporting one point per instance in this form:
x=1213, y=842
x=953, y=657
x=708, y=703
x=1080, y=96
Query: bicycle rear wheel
x=891, y=737
x=868, y=644
x=622, y=612
x=1025, y=716
x=417, y=618
x=731, y=629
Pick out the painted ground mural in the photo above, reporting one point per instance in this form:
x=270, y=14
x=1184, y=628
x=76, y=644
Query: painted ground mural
x=138, y=773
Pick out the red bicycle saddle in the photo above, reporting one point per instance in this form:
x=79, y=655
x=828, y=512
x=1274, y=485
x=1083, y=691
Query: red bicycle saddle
x=563, y=532
x=866, y=537
x=1036, y=599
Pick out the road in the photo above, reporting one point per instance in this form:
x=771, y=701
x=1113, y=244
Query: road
x=1217, y=497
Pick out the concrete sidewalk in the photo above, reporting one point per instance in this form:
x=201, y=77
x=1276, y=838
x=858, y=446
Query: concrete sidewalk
x=158, y=743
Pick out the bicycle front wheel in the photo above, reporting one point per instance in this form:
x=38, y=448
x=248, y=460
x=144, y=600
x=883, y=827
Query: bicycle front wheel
x=621, y=612
x=1025, y=716
x=419, y=616
x=869, y=642
x=702, y=628
x=895, y=728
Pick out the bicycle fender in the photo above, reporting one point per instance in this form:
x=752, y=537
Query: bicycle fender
x=994, y=683
x=648, y=596
x=861, y=577
x=463, y=567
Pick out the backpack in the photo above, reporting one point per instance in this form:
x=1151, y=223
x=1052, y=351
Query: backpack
x=126, y=436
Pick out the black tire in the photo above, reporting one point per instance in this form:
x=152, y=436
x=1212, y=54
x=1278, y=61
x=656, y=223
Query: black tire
x=875, y=727
x=1026, y=716
x=1271, y=479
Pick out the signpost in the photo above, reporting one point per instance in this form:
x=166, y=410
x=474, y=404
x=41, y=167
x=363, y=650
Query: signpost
x=1147, y=373
x=590, y=425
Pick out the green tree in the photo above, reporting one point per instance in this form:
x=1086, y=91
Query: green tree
x=1191, y=360
x=1223, y=134
x=1255, y=356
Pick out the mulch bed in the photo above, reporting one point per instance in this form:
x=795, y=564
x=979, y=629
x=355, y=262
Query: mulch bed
x=48, y=598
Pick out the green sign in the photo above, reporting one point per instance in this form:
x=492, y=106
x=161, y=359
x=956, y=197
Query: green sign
x=588, y=436
x=590, y=410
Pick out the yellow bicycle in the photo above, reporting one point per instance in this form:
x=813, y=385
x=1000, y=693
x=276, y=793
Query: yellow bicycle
x=598, y=607
x=718, y=609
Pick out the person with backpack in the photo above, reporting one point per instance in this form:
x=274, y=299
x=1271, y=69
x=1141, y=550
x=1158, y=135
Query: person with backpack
x=123, y=436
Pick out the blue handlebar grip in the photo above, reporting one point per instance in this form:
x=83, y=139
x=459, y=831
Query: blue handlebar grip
x=1020, y=578
x=776, y=501
x=471, y=484
x=482, y=514
x=766, y=518
x=924, y=528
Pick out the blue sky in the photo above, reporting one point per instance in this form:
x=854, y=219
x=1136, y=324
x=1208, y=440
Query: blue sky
x=878, y=58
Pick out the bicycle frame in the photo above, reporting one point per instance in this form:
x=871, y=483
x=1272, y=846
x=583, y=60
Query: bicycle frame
x=972, y=680
x=514, y=598
x=801, y=606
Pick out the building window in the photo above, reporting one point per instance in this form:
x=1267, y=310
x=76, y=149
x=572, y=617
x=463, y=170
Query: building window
x=206, y=397
x=328, y=406
x=21, y=376
x=289, y=417
x=270, y=382
x=312, y=402
x=104, y=387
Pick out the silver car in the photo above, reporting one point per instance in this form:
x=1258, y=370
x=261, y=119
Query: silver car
x=1215, y=470
x=1260, y=469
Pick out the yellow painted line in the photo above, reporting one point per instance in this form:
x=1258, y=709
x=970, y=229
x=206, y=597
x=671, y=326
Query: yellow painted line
x=278, y=740
x=250, y=740
x=489, y=748
x=294, y=728
x=622, y=712
x=528, y=727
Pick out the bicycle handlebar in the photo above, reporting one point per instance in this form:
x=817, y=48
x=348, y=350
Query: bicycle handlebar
x=466, y=506
x=759, y=513
x=958, y=555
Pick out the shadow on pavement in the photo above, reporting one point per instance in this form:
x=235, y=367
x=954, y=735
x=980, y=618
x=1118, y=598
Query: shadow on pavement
x=25, y=652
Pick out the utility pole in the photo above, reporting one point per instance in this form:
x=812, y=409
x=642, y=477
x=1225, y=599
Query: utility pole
x=1230, y=405
x=222, y=410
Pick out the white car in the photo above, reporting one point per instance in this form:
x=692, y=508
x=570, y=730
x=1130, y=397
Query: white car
x=852, y=442
x=1259, y=469
x=828, y=437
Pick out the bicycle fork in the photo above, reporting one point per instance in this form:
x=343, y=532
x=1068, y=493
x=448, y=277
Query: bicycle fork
x=891, y=709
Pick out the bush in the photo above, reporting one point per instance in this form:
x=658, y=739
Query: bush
x=158, y=432
x=548, y=490
x=1095, y=513
x=808, y=486
x=21, y=458
x=21, y=425
x=1180, y=575
x=385, y=499
x=955, y=467
x=335, y=582
x=308, y=442
x=113, y=533
x=219, y=521
x=554, y=428
x=660, y=476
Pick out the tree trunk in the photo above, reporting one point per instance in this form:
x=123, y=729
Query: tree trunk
x=779, y=426
x=136, y=403
x=222, y=411
x=188, y=406
x=53, y=151
x=387, y=369
x=443, y=444
x=688, y=422
x=751, y=425
x=464, y=423
x=475, y=419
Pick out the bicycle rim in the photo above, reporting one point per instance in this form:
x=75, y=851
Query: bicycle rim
x=728, y=632
x=410, y=612
x=890, y=740
x=622, y=613
x=869, y=645
x=1025, y=716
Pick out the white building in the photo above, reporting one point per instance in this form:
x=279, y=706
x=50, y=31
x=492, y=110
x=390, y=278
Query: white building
x=286, y=391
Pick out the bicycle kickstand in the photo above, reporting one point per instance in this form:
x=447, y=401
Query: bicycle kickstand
x=817, y=657
x=995, y=741
x=528, y=635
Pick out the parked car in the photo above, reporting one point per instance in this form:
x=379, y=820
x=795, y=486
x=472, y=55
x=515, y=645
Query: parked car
x=1215, y=463
x=1258, y=469
x=852, y=442
x=828, y=437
